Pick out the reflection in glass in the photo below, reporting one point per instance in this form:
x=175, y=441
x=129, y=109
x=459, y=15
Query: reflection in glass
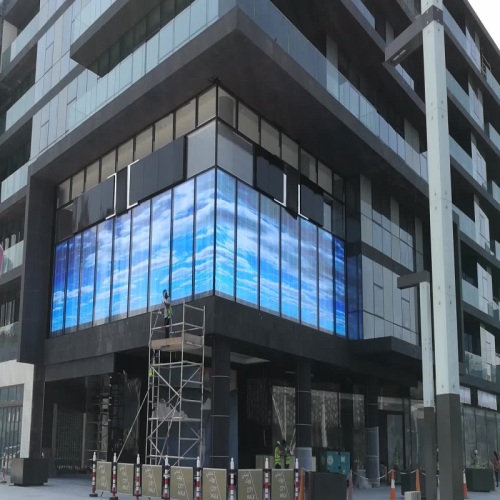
x=339, y=287
x=247, y=248
x=201, y=150
x=234, y=154
x=103, y=272
x=289, y=266
x=204, y=243
x=161, y=222
x=139, y=259
x=73, y=282
x=121, y=255
x=224, y=246
x=269, y=255
x=58, y=288
x=182, y=241
x=325, y=284
x=308, y=274
x=87, y=277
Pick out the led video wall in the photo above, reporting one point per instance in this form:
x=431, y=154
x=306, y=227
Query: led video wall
x=211, y=234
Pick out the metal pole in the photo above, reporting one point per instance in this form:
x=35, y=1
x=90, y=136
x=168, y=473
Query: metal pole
x=428, y=386
x=442, y=255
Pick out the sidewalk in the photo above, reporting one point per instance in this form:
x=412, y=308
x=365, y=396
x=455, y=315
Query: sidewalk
x=79, y=487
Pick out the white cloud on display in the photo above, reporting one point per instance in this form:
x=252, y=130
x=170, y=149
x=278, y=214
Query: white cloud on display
x=489, y=13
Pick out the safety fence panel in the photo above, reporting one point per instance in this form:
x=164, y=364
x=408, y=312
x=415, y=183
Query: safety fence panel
x=282, y=485
x=125, y=479
x=152, y=480
x=214, y=484
x=103, y=476
x=250, y=483
x=181, y=483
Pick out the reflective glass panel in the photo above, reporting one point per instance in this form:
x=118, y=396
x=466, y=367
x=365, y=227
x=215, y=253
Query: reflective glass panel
x=326, y=281
x=206, y=106
x=339, y=287
x=269, y=255
x=289, y=151
x=73, y=282
x=204, y=242
x=185, y=119
x=289, y=266
x=125, y=154
x=87, y=277
x=224, y=246
x=139, y=259
x=121, y=254
x=248, y=123
x=92, y=176
x=308, y=274
x=247, y=245
x=227, y=107
x=182, y=241
x=58, y=288
x=143, y=144
x=161, y=222
x=201, y=149
x=234, y=153
x=164, y=131
x=108, y=165
x=103, y=271
x=269, y=138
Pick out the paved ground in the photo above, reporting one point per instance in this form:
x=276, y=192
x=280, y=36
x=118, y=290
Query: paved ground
x=79, y=487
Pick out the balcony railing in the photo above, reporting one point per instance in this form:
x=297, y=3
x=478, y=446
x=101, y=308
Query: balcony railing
x=461, y=156
x=477, y=367
x=13, y=257
x=470, y=49
x=470, y=294
x=466, y=224
x=492, y=81
x=89, y=14
x=493, y=135
x=14, y=182
x=18, y=110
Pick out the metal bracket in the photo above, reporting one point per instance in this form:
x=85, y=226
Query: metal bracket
x=411, y=38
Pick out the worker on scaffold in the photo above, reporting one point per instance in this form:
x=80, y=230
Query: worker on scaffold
x=167, y=313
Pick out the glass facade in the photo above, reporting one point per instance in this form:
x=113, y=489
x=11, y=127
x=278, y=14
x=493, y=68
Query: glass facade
x=210, y=234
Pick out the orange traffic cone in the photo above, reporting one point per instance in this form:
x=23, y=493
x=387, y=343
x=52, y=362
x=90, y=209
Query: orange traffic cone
x=350, y=487
x=466, y=493
x=417, y=480
x=393, y=487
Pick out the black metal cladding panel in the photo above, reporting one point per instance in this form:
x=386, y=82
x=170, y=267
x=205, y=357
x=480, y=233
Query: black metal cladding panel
x=121, y=192
x=292, y=186
x=171, y=164
x=269, y=177
x=311, y=204
x=107, y=198
x=65, y=223
x=221, y=388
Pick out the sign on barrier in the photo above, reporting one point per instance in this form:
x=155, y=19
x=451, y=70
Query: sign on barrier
x=282, y=484
x=250, y=484
x=181, y=483
x=125, y=479
x=214, y=484
x=152, y=480
x=103, y=476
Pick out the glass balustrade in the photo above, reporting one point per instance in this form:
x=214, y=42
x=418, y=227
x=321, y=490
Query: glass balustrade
x=15, y=182
x=461, y=156
x=13, y=257
x=492, y=82
x=18, y=109
x=494, y=190
x=457, y=90
x=477, y=367
x=493, y=135
x=88, y=15
x=366, y=13
x=466, y=224
x=470, y=294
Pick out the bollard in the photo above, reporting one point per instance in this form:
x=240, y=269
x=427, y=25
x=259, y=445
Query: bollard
x=93, y=487
x=138, y=477
x=166, y=481
x=266, y=480
x=296, y=480
x=232, y=493
x=113, y=487
x=197, y=491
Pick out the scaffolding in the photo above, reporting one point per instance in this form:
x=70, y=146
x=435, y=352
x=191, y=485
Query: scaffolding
x=175, y=390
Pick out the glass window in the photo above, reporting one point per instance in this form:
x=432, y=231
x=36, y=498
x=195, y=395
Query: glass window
x=308, y=165
x=182, y=241
x=324, y=177
x=73, y=283
x=185, y=119
x=77, y=184
x=144, y=144
x=204, y=242
x=269, y=138
x=289, y=266
x=87, y=277
x=227, y=108
x=308, y=273
x=247, y=245
x=139, y=259
x=63, y=193
x=161, y=222
x=206, y=106
x=201, y=150
x=289, y=151
x=248, y=123
x=121, y=254
x=103, y=272
x=92, y=176
x=58, y=288
x=234, y=153
x=108, y=165
x=164, y=131
x=125, y=155
x=339, y=287
x=224, y=242
x=269, y=255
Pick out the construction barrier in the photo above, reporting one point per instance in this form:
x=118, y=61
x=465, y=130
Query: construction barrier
x=93, y=487
x=103, y=476
x=250, y=483
x=138, y=477
x=282, y=484
x=152, y=481
x=181, y=483
x=214, y=484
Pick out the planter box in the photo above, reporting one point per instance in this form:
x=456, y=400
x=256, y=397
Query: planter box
x=29, y=471
x=479, y=479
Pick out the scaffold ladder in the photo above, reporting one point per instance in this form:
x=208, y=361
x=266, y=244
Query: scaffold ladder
x=175, y=391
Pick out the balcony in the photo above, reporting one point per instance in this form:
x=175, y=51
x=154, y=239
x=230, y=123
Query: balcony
x=466, y=224
x=494, y=190
x=15, y=182
x=13, y=257
x=17, y=110
x=492, y=82
x=493, y=135
x=9, y=338
x=477, y=367
x=463, y=98
x=470, y=294
x=88, y=16
x=461, y=156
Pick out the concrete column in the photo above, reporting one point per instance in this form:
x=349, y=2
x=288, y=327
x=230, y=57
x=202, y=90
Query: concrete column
x=221, y=373
x=442, y=255
x=303, y=414
x=372, y=433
